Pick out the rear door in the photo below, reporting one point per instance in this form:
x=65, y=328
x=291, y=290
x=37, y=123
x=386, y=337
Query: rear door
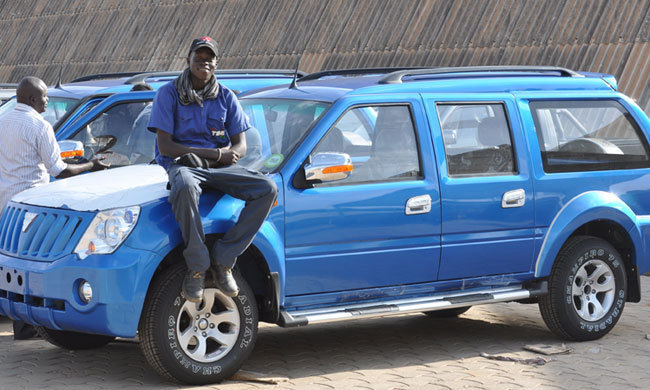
x=485, y=185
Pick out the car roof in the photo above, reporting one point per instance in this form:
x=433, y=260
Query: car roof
x=332, y=85
x=235, y=79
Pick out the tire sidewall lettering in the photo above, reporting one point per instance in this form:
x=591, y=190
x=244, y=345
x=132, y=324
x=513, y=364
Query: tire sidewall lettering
x=606, y=322
x=207, y=369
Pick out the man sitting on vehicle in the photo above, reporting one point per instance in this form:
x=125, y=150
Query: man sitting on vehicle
x=200, y=137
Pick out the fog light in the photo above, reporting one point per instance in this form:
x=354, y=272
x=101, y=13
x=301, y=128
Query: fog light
x=85, y=291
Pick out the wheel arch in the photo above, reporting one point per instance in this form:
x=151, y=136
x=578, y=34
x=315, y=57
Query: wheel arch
x=599, y=214
x=262, y=265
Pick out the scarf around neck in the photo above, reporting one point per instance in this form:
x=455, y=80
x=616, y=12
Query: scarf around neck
x=187, y=95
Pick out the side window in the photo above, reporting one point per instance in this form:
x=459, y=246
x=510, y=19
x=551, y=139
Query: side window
x=588, y=136
x=477, y=139
x=380, y=141
x=120, y=135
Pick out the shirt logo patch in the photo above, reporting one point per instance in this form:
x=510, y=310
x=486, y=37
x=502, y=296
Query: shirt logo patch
x=221, y=134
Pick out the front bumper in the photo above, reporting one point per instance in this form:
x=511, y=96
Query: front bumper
x=46, y=294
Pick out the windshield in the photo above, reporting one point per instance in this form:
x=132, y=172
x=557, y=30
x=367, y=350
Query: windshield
x=278, y=127
x=56, y=107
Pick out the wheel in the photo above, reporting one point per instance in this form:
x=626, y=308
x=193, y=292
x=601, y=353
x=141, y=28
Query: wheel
x=587, y=290
x=73, y=340
x=197, y=343
x=447, y=313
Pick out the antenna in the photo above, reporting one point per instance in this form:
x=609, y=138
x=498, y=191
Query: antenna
x=58, y=83
x=294, y=83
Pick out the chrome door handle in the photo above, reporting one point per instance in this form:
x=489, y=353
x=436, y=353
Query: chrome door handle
x=514, y=198
x=420, y=204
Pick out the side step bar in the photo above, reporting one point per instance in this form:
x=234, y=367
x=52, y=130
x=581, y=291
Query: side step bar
x=409, y=305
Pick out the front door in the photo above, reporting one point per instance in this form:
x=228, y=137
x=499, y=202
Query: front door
x=380, y=226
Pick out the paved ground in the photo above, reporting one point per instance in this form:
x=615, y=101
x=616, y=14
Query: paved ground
x=405, y=352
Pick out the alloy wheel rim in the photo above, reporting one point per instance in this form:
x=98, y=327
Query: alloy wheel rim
x=593, y=290
x=208, y=330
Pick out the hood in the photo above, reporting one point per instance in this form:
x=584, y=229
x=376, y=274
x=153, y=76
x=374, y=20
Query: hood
x=112, y=188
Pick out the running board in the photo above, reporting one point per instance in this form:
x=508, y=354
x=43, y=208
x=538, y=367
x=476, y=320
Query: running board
x=409, y=305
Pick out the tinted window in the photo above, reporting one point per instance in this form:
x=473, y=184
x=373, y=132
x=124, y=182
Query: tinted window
x=588, y=135
x=380, y=140
x=126, y=126
x=477, y=139
x=56, y=107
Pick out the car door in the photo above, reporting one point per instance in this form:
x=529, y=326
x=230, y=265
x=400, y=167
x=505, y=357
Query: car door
x=85, y=105
x=115, y=129
x=380, y=226
x=485, y=185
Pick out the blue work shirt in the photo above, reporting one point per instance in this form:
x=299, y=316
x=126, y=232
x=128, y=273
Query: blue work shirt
x=210, y=126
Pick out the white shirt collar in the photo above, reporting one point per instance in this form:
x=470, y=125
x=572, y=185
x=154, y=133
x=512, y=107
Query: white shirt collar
x=26, y=108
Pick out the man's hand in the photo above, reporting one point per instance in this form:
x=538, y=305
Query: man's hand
x=228, y=156
x=98, y=164
x=192, y=160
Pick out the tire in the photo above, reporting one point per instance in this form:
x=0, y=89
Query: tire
x=73, y=340
x=587, y=290
x=447, y=313
x=171, y=337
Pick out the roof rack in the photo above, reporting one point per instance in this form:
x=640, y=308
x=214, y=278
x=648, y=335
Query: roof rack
x=102, y=76
x=396, y=77
x=286, y=72
x=354, y=72
x=141, y=77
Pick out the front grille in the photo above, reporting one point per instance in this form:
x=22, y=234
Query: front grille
x=39, y=233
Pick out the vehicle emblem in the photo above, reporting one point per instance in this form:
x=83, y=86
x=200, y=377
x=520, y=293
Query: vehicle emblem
x=27, y=221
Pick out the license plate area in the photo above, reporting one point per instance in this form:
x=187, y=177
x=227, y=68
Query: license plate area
x=13, y=280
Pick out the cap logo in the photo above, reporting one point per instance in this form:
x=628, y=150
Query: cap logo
x=206, y=39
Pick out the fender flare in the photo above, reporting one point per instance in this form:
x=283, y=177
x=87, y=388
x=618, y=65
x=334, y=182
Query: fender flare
x=584, y=208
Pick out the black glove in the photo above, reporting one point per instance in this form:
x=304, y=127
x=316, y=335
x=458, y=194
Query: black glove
x=192, y=160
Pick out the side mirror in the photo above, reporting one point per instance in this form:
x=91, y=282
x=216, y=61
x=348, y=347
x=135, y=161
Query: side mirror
x=71, y=149
x=328, y=167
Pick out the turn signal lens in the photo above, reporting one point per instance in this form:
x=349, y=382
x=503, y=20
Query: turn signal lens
x=338, y=169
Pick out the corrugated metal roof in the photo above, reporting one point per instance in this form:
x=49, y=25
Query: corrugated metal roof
x=77, y=37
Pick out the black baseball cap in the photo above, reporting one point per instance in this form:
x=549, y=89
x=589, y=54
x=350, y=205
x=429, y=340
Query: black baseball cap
x=204, y=42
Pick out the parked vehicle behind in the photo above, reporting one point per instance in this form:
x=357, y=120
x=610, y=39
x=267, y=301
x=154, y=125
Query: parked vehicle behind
x=417, y=190
x=120, y=119
x=7, y=91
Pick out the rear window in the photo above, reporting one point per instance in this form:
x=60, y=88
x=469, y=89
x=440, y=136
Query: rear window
x=588, y=136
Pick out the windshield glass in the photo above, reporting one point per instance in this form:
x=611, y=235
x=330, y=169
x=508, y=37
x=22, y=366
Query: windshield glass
x=278, y=127
x=56, y=108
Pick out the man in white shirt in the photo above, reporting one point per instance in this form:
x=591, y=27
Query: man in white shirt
x=29, y=153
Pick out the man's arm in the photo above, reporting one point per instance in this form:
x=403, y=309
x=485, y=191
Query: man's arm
x=235, y=151
x=226, y=156
x=74, y=169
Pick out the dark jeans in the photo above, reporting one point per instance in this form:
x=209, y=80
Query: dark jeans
x=256, y=189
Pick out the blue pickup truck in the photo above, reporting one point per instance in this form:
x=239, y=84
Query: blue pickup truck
x=416, y=190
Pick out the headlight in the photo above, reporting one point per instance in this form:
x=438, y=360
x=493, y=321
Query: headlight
x=107, y=231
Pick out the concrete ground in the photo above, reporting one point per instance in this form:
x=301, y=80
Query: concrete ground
x=403, y=352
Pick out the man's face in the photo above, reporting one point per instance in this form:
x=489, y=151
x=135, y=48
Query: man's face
x=39, y=101
x=202, y=64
